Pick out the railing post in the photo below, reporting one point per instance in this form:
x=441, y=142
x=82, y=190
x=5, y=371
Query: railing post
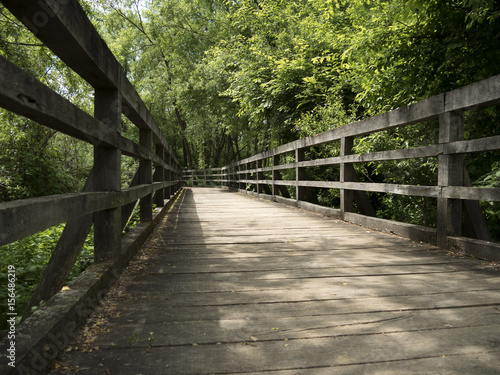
x=168, y=177
x=248, y=175
x=159, y=175
x=235, y=177
x=260, y=176
x=346, y=175
x=107, y=177
x=175, y=175
x=241, y=185
x=276, y=176
x=146, y=175
x=451, y=173
x=300, y=175
x=178, y=178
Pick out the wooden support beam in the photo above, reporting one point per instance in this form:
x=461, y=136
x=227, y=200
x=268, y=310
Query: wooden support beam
x=63, y=257
x=346, y=175
x=260, y=176
x=236, y=177
x=300, y=175
x=146, y=175
x=128, y=208
x=241, y=184
x=451, y=173
x=249, y=174
x=159, y=176
x=362, y=200
x=474, y=221
x=277, y=188
x=262, y=187
x=107, y=177
x=303, y=193
x=67, y=249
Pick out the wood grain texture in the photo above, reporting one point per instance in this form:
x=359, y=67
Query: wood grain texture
x=230, y=284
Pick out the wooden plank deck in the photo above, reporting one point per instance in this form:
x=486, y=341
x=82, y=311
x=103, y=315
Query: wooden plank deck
x=230, y=284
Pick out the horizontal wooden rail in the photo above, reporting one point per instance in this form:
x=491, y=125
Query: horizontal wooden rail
x=63, y=26
x=261, y=174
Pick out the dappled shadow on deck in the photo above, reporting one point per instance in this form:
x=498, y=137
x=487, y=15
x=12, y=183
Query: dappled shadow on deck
x=232, y=284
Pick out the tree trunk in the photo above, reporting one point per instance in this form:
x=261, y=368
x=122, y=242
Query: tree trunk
x=188, y=160
x=238, y=153
x=220, y=142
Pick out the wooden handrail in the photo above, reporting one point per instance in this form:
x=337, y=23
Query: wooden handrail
x=63, y=26
x=451, y=191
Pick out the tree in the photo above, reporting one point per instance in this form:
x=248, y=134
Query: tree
x=229, y=78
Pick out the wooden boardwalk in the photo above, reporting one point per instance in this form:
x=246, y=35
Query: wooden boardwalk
x=230, y=284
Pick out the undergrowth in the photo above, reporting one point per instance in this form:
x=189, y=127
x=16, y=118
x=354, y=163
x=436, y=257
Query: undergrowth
x=30, y=256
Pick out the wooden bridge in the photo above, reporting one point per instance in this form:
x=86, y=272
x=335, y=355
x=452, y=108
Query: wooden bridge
x=252, y=275
x=230, y=284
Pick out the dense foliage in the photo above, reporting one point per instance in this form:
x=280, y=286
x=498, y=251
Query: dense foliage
x=230, y=78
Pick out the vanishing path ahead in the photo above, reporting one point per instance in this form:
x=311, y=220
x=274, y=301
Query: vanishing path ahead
x=230, y=284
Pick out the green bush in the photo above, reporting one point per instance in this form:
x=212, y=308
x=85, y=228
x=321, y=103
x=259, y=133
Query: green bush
x=29, y=256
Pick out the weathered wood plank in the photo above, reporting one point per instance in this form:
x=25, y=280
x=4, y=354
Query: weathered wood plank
x=23, y=94
x=107, y=177
x=422, y=111
x=413, y=232
x=212, y=293
x=451, y=192
x=476, y=248
x=474, y=145
x=471, y=193
x=439, y=279
x=247, y=356
x=63, y=23
x=20, y=219
x=422, y=191
x=281, y=328
x=479, y=94
x=411, y=153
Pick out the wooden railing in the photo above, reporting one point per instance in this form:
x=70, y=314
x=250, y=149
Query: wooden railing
x=63, y=26
x=456, y=199
x=206, y=177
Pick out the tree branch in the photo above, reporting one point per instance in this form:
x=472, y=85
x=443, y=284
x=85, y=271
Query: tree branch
x=24, y=44
x=140, y=27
